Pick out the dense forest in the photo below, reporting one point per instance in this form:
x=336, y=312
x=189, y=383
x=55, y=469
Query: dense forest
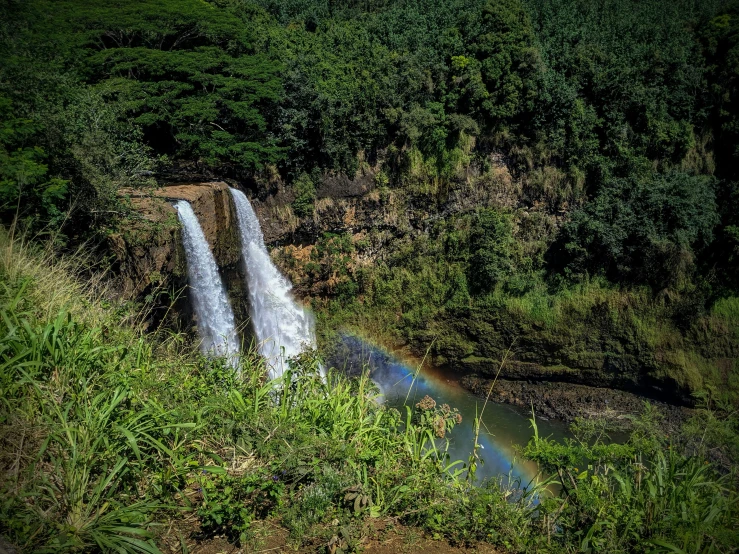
x=559, y=178
x=620, y=115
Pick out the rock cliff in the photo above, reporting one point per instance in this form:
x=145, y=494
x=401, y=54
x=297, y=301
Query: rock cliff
x=149, y=259
x=355, y=223
x=603, y=343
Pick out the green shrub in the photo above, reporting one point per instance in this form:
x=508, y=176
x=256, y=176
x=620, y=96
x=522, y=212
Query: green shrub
x=305, y=195
x=643, y=229
x=641, y=495
x=231, y=503
x=491, y=245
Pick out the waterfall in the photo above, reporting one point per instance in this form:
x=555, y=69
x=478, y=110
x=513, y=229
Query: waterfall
x=215, y=317
x=283, y=328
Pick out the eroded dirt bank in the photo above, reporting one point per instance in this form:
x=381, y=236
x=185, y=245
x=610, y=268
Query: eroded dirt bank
x=567, y=401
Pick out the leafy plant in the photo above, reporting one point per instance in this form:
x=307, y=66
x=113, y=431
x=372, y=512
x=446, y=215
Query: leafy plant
x=305, y=195
x=230, y=504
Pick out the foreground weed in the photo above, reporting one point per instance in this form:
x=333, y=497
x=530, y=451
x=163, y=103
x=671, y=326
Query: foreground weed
x=106, y=434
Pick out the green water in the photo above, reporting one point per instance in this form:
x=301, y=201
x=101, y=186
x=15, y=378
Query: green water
x=504, y=426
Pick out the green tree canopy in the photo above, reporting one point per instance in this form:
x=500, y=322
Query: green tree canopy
x=642, y=229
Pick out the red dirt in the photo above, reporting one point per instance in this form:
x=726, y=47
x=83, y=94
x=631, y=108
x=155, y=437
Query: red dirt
x=382, y=537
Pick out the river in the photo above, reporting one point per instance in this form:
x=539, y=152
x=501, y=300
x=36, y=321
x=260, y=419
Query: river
x=504, y=426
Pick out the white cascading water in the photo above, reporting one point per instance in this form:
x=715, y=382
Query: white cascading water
x=216, y=322
x=283, y=328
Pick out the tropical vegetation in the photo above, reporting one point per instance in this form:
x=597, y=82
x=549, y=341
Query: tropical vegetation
x=561, y=174
x=118, y=441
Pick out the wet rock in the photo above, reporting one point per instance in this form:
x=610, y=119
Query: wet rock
x=149, y=259
x=213, y=205
x=568, y=401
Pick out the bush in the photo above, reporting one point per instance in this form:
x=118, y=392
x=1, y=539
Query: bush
x=305, y=195
x=641, y=230
x=491, y=246
x=641, y=495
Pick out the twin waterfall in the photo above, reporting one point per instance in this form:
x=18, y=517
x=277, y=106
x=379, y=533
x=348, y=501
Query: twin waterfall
x=216, y=322
x=282, y=328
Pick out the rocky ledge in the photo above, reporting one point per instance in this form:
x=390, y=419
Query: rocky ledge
x=148, y=249
x=567, y=401
x=149, y=259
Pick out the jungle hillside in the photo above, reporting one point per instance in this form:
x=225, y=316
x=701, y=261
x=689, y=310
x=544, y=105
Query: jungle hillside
x=523, y=191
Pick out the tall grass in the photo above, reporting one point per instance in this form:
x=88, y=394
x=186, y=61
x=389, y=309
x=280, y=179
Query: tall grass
x=44, y=282
x=728, y=309
x=644, y=495
x=106, y=435
x=105, y=432
x=540, y=305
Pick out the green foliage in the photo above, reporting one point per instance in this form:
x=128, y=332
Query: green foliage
x=67, y=148
x=108, y=433
x=713, y=429
x=185, y=72
x=331, y=261
x=508, y=59
x=491, y=242
x=635, y=67
x=423, y=293
x=26, y=190
x=231, y=503
x=93, y=444
x=643, y=494
x=305, y=195
x=128, y=431
x=592, y=108
x=720, y=38
x=644, y=230
x=617, y=124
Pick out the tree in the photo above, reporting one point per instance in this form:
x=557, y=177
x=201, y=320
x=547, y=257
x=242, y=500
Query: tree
x=491, y=245
x=644, y=229
x=184, y=71
x=508, y=59
x=26, y=189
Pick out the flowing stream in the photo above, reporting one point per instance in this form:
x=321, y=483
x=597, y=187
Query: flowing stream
x=216, y=323
x=282, y=327
x=504, y=427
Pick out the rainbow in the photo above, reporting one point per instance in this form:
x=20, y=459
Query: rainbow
x=504, y=427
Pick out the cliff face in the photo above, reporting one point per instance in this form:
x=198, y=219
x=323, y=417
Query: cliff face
x=360, y=205
x=149, y=259
x=355, y=224
x=148, y=251
x=609, y=340
x=341, y=205
x=212, y=203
